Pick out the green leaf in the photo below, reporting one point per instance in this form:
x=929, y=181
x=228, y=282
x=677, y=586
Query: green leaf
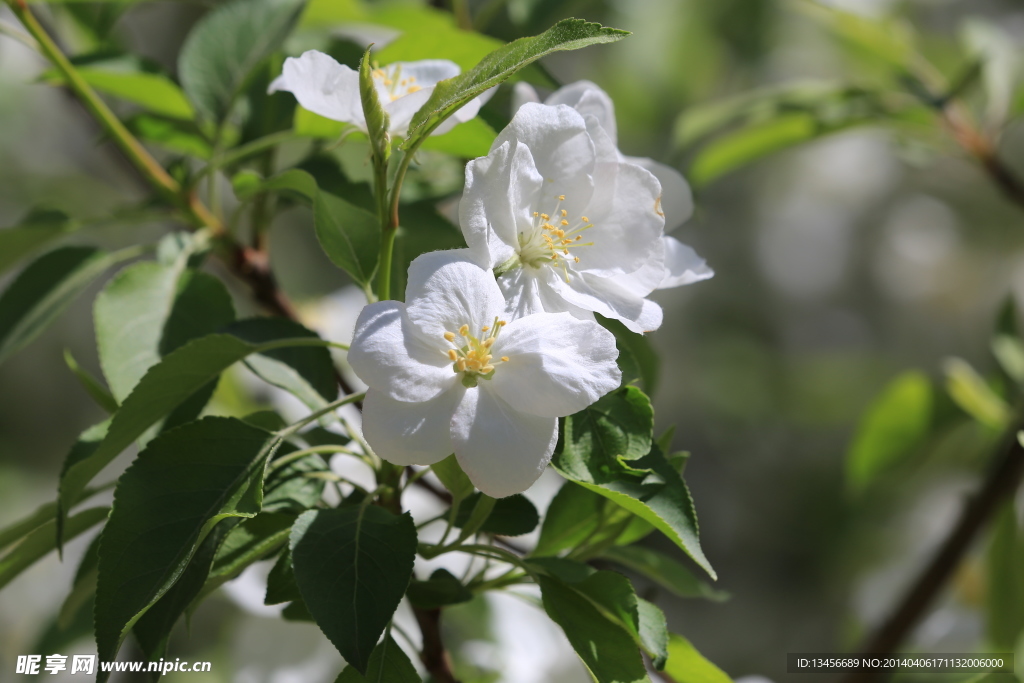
x=350, y=236
x=1009, y=351
x=43, y=540
x=148, y=310
x=894, y=425
x=352, y=565
x=747, y=145
x=452, y=94
x=174, y=135
x=99, y=393
x=127, y=79
x=663, y=570
x=637, y=359
x=154, y=627
x=164, y=387
x=686, y=665
x=225, y=47
x=308, y=124
x=388, y=664
x=45, y=288
x=511, y=516
x=281, y=586
x=293, y=181
x=658, y=495
x=441, y=589
x=1004, y=594
x=970, y=391
x=454, y=479
x=305, y=371
x=653, y=632
x=605, y=647
x=886, y=40
x=35, y=230
x=597, y=439
x=180, y=486
x=571, y=517
x=291, y=488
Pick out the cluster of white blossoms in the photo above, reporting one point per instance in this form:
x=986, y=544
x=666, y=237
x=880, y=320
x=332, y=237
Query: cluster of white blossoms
x=498, y=341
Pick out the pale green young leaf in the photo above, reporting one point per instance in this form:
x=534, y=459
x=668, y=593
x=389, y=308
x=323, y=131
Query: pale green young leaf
x=124, y=78
x=1004, y=567
x=973, y=394
x=181, y=485
x=749, y=144
x=663, y=570
x=349, y=235
x=454, y=479
x=687, y=665
x=35, y=230
x=45, y=288
x=1009, y=351
x=225, y=47
x=452, y=94
x=175, y=136
x=352, y=565
x=467, y=140
x=895, y=424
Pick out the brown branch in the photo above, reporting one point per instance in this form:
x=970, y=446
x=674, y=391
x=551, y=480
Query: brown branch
x=983, y=149
x=434, y=656
x=999, y=485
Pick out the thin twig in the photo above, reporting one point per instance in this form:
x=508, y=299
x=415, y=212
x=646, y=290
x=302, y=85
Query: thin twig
x=434, y=655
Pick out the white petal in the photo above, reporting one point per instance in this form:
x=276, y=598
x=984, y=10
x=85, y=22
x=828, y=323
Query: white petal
x=410, y=433
x=502, y=450
x=485, y=212
x=676, y=195
x=683, y=265
x=402, y=109
x=535, y=290
x=428, y=71
x=323, y=86
x=562, y=150
x=612, y=300
x=391, y=357
x=523, y=92
x=445, y=291
x=627, y=226
x=557, y=365
x=589, y=100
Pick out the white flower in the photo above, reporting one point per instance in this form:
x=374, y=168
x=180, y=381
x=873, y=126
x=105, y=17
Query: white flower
x=448, y=374
x=325, y=87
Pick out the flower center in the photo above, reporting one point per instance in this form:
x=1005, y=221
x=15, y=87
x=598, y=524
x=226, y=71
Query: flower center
x=473, y=359
x=551, y=237
x=390, y=83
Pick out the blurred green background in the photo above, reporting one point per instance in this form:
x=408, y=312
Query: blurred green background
x=841, y=262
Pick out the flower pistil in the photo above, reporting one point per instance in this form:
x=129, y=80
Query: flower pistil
x=473, y=360
x=551, y=237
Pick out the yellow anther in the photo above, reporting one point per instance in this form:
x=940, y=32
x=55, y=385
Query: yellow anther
x=535, y=214
x=486, y=369
x=388, y=81
x=452, y=355
x=489, y=342
x=414, y=88
x=561, y=198
x=486, y=328
x=564, y=212
x=545, y=216
x=450, y=336
x=461, y=364
x=576, y=259
x=464, y=330
x=504, y=359
x=565, y=222
x=565, y=251
x=584, y=219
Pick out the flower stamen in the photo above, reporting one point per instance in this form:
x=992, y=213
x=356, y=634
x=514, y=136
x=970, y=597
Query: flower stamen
x=473, y=360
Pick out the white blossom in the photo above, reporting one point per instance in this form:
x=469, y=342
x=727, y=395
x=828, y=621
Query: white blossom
x=447, y=373
x=567, y=224
x=325, y=87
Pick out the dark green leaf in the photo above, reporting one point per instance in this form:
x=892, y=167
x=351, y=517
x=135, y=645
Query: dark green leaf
x=388, y=664
x=660, y=497
x=154, y=627
x=281, y=586
x=663, y=570
x=653, y=632
x=637, y=359
x=451, y=95
x=99, y=393
x=895, y=424
x=43, y=540
x=597, y=439
x=569, y=571
x=686, y=665
x=45, y=288
x=35, y=230
x=511, y=516
x=349, y=235
x=572, y=516
x=606, y=648
x=165, y=386
x=224, y=49
x=305, y=371
x=442, y=588
x=352, y=565
x=185, y=482
x=289, y=487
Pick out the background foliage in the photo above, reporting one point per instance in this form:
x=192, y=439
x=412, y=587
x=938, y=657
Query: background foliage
x=858, y=249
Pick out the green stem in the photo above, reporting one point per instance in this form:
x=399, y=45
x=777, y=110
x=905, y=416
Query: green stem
x=245, y=151
x=298, y=455
x=388, y=229
x=316, y=415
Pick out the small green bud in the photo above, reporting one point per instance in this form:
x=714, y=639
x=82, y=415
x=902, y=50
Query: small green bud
x=377, y=120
